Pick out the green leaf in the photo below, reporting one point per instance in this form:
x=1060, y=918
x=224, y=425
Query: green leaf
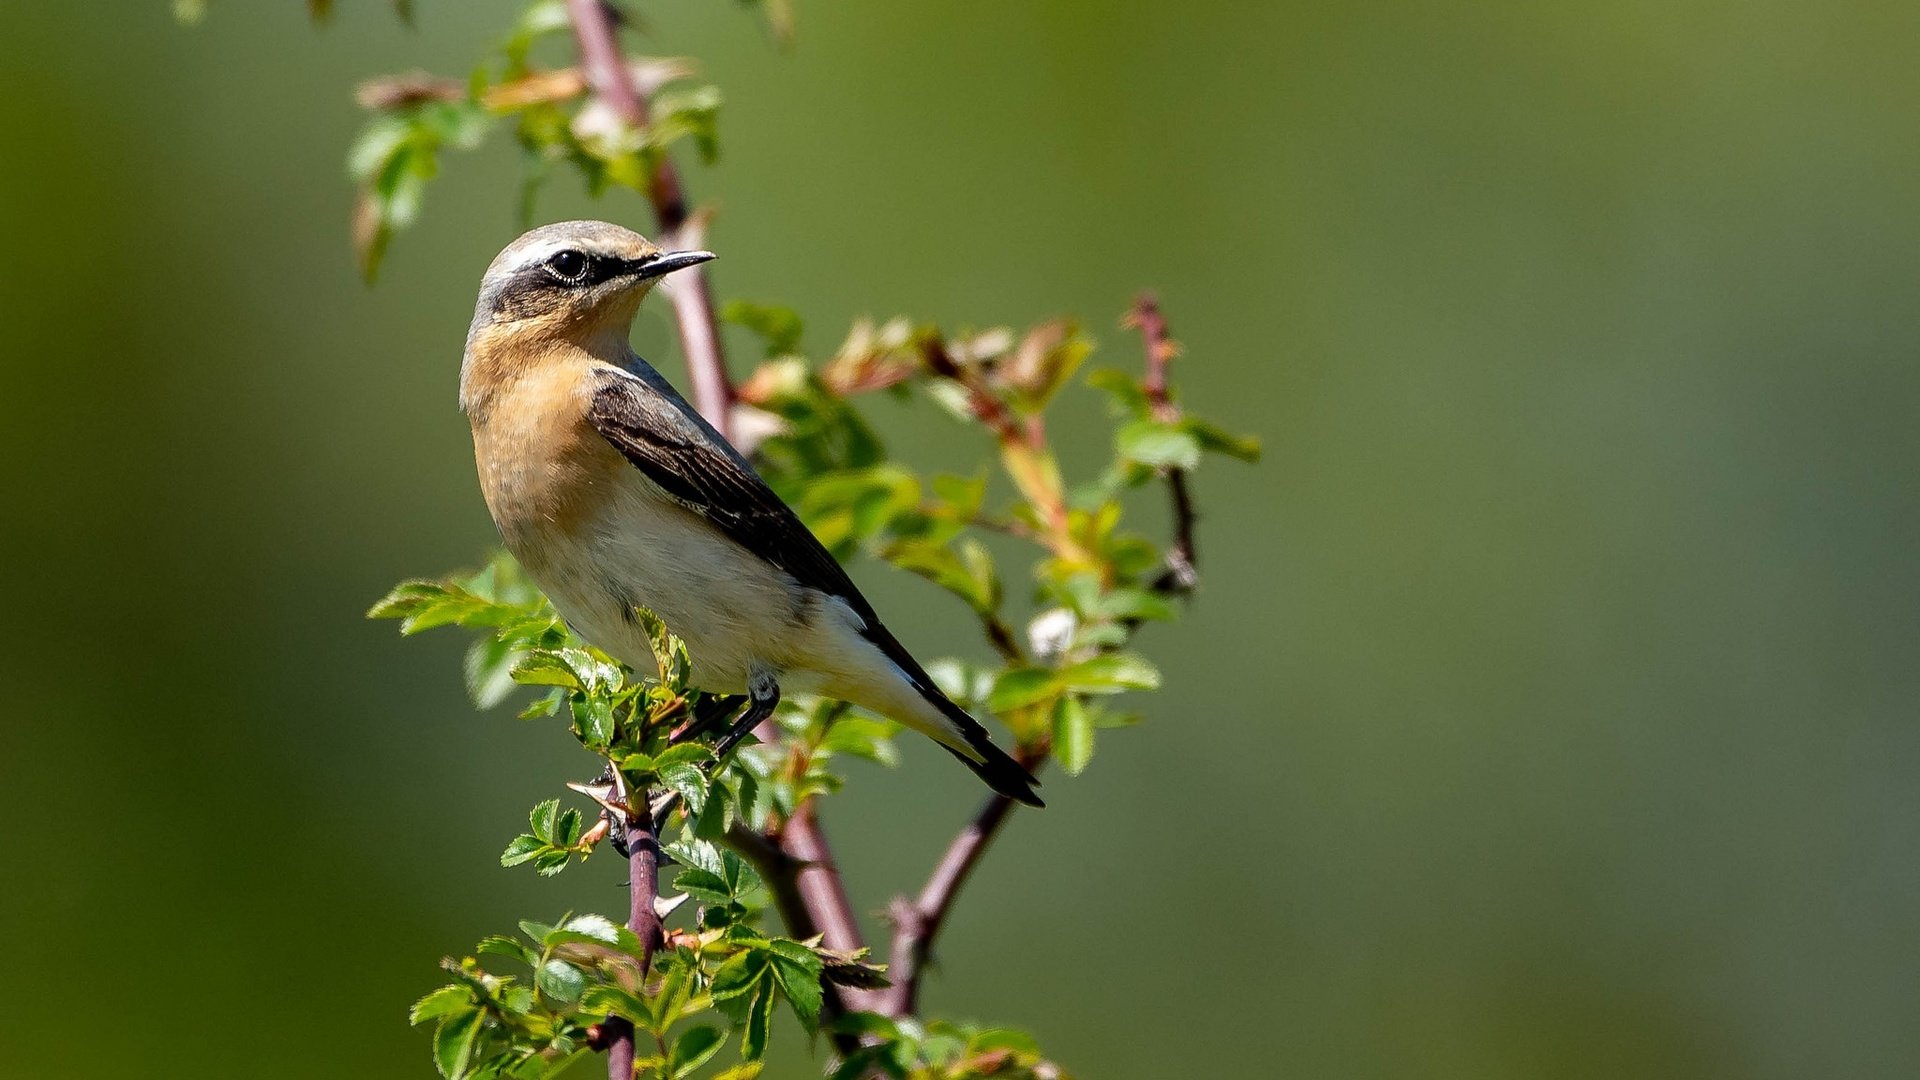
x=544, y=818
x=682, y=754
x=1111, y=673
x=488, y=669
x=703, y=885
x=699, y=853
x=545, y=669
x=801, y=985
x=442, y=1002
x=524, y=847
x=1218, y=440
x=561, y=981
x=453, y=1043
x=1151, y=442
x=738, y=975
x=1127, y=396
x=690, y=782
x=746, y=1070
x=753, y=1045
x=692, y=1049
x=1134, y=604
x=778, y=327
x=1072, y=735
x=508, y=947
x=545, y=705
x=593, y=720
x=596, y=928
x=1021, y=687
x=862, y=737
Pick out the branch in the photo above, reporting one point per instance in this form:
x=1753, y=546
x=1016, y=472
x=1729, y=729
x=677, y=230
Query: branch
x=781, y=871
x=1182, y=572
x=918, y=921
x=612, y=81
x=817, y=879
x=643, y=918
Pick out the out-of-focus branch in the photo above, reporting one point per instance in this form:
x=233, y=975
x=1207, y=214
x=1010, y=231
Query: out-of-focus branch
x=1182, y=572
x=781, y=871
x=612, y=81
x=918, y=921
x=815, y=878
x=413, y=88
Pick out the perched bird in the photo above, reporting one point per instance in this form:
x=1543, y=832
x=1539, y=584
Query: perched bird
x=614, y=493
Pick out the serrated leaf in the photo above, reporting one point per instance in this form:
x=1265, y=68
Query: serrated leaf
x=753, y=1044
x=545, y=669
x=699, y=853
x=453, y=1044
x=703, y=885
x=690, y=782
x=683, y=754
x=510, y=948
x=523, y=848
x=445, y=1001
x=543, y=818
x=561, y=981
x=592, y=720
x=801, y=986
x=692, y=1049
x=595, y=927
x=738, y=975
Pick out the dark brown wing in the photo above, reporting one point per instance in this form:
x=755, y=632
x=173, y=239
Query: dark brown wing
x=690, y=463
x=652, y=428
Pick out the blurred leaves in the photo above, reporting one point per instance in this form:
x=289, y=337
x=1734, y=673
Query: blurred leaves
x=720, y=978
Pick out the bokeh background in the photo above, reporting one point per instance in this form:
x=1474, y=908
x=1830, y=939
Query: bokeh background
x=1549, y=709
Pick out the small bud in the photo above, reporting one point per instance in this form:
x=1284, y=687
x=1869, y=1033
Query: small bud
x=1051, y=632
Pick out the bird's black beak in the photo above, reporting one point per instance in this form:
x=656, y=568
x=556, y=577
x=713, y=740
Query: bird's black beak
x=667, y=262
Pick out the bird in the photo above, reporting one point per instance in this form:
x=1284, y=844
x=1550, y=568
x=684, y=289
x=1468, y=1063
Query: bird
x=615, y=494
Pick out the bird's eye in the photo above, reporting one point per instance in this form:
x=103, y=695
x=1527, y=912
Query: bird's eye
x=568, y=266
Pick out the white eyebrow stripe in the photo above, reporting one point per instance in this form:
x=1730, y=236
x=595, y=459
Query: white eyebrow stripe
x=541, y=252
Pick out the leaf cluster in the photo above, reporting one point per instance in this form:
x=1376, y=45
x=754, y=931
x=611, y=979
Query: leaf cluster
x=526, y=1006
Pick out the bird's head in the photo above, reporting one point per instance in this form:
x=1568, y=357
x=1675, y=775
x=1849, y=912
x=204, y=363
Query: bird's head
x=575, y=281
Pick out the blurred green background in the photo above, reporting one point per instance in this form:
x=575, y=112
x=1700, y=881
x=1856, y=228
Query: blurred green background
x=1549, y=709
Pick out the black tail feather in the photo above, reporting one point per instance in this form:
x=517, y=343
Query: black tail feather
x=1000, y=771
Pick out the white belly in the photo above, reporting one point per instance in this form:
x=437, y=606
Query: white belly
x=736, y=613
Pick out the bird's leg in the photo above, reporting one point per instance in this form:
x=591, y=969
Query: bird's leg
x=707, y=715
x=763, y=693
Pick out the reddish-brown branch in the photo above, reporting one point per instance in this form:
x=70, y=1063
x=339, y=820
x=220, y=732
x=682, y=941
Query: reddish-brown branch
x=643, y=918
x=1181, y=574
x=815, y=877
x=781, y=871
x=918, y=921
x=612, y=82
